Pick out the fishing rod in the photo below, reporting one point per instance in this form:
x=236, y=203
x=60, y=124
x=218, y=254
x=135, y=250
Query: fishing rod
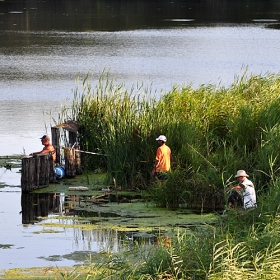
x=203, y=157
x=91, y=153
x=81, y=151
x=86, y=152
x=144, y=161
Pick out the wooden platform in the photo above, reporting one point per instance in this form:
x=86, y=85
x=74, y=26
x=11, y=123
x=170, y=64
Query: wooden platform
x=37, y=172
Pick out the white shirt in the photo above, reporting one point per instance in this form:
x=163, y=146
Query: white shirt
x=249, y=194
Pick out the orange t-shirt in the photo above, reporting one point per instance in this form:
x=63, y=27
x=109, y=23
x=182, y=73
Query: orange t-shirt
x=163, y=156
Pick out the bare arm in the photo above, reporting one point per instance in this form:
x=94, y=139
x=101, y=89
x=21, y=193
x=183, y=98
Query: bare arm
x=47, y=149
x=155, y=165
x=39, y=153
x=237, y=188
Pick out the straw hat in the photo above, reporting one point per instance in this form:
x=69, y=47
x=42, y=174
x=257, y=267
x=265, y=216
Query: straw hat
x=241, y=173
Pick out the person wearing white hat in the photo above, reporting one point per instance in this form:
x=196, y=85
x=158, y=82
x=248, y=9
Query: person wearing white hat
x=48, y=147
x=247, y=188
x=162, y=160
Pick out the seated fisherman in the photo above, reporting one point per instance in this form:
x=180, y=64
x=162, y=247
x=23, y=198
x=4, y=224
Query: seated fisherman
x=48, y=147
x=247, y=189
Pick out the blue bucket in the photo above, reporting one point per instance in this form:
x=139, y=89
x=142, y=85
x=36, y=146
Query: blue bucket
x=59, y=172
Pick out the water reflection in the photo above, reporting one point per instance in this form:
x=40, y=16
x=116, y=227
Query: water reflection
x=52, y=207
x=35, y=206
x=45, y=45
x=113, y=15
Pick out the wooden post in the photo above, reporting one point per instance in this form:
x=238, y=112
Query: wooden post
x=70, y=166
x=43, y=170
x=37, y=172
x=52, y=176
x=72, y=137
x=78, y=160
x=55, y=142
x=28, y=174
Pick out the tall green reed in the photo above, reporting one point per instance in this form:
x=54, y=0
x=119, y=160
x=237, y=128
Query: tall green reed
x=243, y=245
x=212, y=131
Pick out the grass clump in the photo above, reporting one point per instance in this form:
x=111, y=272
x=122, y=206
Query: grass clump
x=212, y=133
x=240, y=246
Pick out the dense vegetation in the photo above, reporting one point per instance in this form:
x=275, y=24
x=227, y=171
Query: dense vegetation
x=241, y=246
x=212, y=131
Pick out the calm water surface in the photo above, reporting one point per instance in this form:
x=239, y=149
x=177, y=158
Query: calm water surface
x=26, y=242
x=45, y=46
x=43, y=49
x=36, y=79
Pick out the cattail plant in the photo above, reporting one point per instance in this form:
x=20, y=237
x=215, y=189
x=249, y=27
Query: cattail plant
x=212, y=130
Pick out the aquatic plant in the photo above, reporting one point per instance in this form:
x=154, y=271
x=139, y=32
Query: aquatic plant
x=212, y=132
x=240, y=246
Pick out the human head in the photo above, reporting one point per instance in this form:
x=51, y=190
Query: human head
x=45, y=138
x=241, y=175
x=161, y=138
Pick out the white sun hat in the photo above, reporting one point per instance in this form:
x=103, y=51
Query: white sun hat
x=241, y=173
x=161, y=138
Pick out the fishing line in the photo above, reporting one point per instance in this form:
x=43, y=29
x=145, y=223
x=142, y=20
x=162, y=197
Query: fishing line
x=86, y=152
x=203, y=157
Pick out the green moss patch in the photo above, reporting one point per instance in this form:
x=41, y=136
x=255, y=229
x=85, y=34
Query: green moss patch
x=134, y=216
x=48, y=231
x=94, y=183
x=6, y=246
x=39, y=273
x=10, y=162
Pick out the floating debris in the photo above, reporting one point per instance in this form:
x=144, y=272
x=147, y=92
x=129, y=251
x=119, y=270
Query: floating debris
x=79, y=188
x=8, y=166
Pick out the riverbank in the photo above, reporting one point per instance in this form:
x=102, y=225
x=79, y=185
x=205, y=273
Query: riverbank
x=69, y=227
x=136, y=238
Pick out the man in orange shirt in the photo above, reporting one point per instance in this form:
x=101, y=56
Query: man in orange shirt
x=48, y=147
x=162, y=161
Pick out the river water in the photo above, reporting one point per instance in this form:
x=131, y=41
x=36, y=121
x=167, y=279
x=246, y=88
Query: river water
x=45, y=46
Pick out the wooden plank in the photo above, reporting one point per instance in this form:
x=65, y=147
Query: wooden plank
x=72, y=138
x=70, y=166
x=78, y=160
x=55, y=142
x=36, y=172
x=28, y=173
